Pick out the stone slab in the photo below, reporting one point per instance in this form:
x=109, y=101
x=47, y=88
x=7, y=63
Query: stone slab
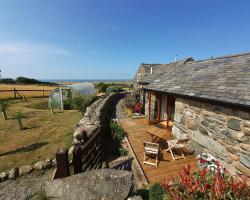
x=92, y=185
x=210, y=144
x=234, y=124
x=242, y=168
x=25, y=170
x=245, y=160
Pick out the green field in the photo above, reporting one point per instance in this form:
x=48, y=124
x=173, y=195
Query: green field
x=43, y=133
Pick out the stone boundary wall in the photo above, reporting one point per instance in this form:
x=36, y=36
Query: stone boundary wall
x=27, y=169
x=222, y=131
x=97, y=117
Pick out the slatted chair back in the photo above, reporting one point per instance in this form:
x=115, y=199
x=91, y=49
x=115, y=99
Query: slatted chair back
x=151, y=147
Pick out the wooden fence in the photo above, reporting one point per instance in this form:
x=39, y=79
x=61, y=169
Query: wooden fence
x=89, y=155
x=17, y=93
x=85, y=157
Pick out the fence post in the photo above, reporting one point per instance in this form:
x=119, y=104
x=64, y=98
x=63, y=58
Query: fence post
x=62, y=163
x=14, y=93
x=43, y=93
x=77, y=159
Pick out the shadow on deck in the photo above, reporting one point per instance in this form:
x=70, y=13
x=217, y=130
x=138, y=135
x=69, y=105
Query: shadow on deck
x=167, y=168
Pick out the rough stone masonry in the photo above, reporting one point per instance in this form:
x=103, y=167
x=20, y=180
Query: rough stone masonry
x=96, y=117
x=222, y=131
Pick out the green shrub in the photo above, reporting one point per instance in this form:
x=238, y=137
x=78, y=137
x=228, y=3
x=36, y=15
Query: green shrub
x=102, y=86
x=27, y=80
x=156, y=192
x=144, y=193
x=114, y=88
x=3, y=105
x=24, y=80
x=117, y=131
x=68, y=104
x=123, y=152
x=7, y=80
x=81, y=102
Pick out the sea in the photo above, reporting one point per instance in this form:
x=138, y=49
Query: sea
x=85, y=80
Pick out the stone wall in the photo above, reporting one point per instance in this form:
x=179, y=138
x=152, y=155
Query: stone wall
x=222, y=131
x=146, y=104
x=97, y=117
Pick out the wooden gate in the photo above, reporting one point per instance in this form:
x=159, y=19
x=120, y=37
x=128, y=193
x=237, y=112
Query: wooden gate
x=89, y=155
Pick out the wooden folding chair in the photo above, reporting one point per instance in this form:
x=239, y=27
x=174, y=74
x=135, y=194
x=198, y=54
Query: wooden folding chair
x=175, y=145
x=151, y=150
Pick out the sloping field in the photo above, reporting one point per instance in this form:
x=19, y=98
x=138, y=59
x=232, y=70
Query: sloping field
x=43, y=133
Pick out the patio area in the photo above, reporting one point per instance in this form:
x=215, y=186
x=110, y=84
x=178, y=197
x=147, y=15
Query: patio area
x=167, y=168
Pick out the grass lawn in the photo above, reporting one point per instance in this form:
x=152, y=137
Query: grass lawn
x=44, y=133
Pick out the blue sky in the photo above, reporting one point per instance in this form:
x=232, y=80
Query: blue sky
x=108, y=39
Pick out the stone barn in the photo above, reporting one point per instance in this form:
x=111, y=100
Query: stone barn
x=207, y=99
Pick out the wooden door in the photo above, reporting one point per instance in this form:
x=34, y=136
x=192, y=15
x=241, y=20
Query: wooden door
x=154, y=107
x=170, y=108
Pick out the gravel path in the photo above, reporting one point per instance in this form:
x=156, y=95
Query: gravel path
x=120, y=111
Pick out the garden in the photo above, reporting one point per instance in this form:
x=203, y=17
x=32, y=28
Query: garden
x=113, y=141
x=132, y=107
x=210, y=182
x=34, y=129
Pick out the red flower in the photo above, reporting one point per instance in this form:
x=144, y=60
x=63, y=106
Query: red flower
x=187, y=169
x=138, y=107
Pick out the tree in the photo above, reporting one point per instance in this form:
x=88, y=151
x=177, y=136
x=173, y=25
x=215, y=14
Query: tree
x=114, y=88
x=102, y=86
x=3, y=107
x=81, y=102
x=24, y=80
x=7, y=80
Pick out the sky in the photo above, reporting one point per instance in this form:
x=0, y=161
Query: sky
x=108, y=39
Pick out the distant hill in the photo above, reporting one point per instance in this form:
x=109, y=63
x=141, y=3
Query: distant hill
x=24, y=80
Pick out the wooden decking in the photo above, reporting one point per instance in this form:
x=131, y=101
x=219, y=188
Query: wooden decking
x=167, y=168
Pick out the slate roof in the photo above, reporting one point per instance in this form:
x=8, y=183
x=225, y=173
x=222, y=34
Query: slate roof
x=157, y=69
x=225, y=79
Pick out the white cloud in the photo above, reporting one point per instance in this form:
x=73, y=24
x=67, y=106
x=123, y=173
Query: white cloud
x=22, y=48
